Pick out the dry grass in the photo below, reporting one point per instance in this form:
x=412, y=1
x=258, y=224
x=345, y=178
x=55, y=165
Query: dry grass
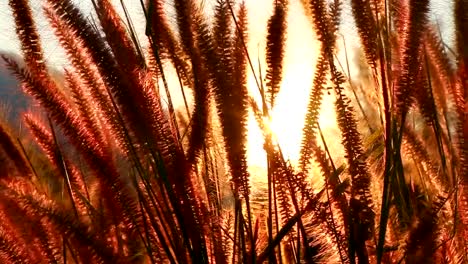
x=129, y=180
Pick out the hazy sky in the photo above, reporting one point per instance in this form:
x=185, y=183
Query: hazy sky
x=300, y=59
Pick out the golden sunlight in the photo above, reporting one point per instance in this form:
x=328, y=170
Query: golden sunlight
x=147, y=154
x=287, y=116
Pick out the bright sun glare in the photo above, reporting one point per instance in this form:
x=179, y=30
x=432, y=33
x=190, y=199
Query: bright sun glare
x=287, y=116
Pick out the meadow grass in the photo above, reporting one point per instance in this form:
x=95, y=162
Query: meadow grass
x=116, y=173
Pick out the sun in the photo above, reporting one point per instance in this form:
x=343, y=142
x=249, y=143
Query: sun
x=287, y=115
x=286, y=120
x=286, y=123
